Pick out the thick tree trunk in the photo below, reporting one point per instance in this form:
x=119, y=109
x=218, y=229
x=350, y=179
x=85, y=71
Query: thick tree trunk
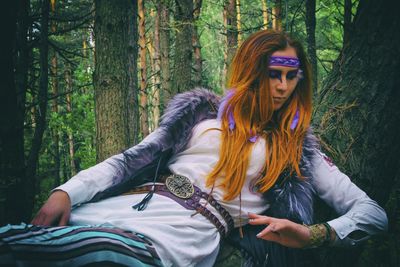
x=198, y=62
x=359, y=117
x=347, y=21
x=33, y=157
x=311, y=45
x=182, y=77
x=114, y=76
x=11, y=132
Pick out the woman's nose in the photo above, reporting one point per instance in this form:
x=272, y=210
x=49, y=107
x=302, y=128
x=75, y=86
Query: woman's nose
x=282, y=85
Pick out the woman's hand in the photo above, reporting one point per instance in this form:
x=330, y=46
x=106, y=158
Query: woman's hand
x=282, y=231
x=55, y=211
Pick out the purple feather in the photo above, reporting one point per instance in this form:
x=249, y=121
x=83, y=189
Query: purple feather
x=295, y=120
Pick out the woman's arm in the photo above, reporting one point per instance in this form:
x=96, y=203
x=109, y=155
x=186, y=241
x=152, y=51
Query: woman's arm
x=87, y=183
x=358, y=213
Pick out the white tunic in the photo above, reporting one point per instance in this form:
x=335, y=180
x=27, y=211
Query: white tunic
x=183, y=240
x=179, y=238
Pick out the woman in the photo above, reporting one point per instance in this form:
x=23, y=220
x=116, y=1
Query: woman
x=185, y=186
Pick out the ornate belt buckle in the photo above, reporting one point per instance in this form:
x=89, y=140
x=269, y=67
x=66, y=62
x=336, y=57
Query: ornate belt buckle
x=180, y=186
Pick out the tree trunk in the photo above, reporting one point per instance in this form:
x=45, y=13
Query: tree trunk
x=71, y=149
x=157, y=72
x=238, y=23
x=311, y=46
x=265, y=14
x=182, y=77
x=54, y=108
x=114, y=76
x=11, y=131
x=33, y=157
x=347, y=21
x=163, y=13
x=132, y=90
x=359, y=117
x=198, y=62
x=230, y=24
x=277, y=15
x=144, y=120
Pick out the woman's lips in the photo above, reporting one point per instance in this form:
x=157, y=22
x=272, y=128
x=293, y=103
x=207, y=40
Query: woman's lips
x=279, y=99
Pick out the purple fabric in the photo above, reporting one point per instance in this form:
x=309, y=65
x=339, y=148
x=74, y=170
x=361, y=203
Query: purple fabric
x=284, y=61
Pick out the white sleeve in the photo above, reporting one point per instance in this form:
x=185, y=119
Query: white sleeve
x=357, y=211
x=87, y=183
x=84, y=185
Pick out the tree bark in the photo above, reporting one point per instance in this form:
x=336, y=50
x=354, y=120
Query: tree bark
x=230, y=25
x=198, y=62
x=114, y=76
x=144, y=120
x=265, y=14
x=54, y=108
x=70, y=136
x=347, y=21
x=11, y=132
x=182, y=75
x=239, y=22
x=31, y=182
x=277, y=15
x=311, y=45
x=163, y=13
x=358, y=116
x=156, y=72
x=132, y=91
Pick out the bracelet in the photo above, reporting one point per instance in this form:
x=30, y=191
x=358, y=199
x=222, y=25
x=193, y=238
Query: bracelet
x=328, y=239
x=320, y=235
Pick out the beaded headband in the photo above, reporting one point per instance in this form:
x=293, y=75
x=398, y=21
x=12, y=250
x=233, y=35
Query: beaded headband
x=293, y=62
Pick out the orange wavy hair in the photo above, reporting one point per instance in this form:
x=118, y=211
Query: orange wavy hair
x=252, y=109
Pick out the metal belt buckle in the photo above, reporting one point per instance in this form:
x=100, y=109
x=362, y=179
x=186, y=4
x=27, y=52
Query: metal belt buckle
x=180, y=186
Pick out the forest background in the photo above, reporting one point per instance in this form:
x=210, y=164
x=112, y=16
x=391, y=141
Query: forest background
x=83, y=80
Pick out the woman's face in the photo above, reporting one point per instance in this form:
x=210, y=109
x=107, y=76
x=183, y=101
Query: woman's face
x=283, y=79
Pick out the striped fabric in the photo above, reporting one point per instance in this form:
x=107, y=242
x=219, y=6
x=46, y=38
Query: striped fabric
x=30, y=245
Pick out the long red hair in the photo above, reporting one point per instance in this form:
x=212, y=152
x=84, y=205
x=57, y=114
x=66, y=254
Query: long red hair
x=252, y=108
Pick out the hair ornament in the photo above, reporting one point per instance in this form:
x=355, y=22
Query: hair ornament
x=295, y=120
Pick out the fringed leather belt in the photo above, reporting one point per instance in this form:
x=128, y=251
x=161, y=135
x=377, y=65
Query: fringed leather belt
x=180, y=189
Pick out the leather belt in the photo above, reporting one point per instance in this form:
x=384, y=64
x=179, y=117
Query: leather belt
x=193, y=203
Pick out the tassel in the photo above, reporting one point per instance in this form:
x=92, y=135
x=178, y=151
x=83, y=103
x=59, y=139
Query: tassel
x=240, y=216
x=143, y=204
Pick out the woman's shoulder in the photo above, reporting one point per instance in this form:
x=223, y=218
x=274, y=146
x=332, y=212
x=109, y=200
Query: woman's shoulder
x=206, y=126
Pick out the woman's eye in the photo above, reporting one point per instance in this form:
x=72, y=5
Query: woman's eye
x=274, y=74
x=291, y=74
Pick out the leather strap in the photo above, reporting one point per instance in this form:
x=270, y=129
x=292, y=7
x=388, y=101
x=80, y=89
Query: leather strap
x=193, y=203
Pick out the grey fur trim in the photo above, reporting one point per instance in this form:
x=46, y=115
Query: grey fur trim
x=293, y=199
x=186, y=110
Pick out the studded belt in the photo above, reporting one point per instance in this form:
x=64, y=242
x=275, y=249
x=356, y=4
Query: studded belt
x=180, y=189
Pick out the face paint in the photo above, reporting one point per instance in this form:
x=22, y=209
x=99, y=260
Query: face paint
x=290, y=75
